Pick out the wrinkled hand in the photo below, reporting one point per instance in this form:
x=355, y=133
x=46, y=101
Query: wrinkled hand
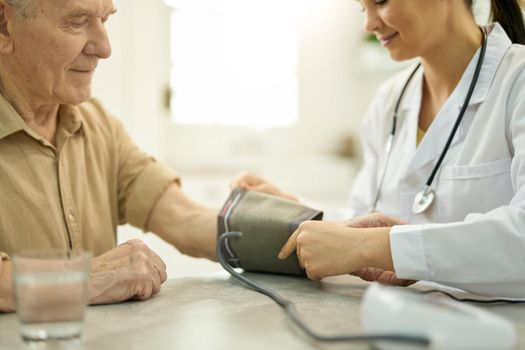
x=374, y=220
x=129, y=271
x=251, y=182
x=373, y=273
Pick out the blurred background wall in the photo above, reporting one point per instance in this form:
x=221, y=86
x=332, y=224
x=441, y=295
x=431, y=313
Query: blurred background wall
x=317, y=156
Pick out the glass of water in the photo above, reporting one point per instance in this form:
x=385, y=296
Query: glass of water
x=51, y=294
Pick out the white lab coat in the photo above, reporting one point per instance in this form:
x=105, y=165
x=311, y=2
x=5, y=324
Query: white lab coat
x=473, y=236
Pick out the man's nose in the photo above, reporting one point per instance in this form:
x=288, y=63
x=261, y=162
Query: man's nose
x=98, y=43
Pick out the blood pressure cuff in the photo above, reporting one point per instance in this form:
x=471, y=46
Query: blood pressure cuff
x=266, y=222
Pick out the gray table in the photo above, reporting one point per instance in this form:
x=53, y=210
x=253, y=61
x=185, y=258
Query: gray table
x=216, y=312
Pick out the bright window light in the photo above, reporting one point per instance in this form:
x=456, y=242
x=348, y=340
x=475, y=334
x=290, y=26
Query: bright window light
x=234, y=62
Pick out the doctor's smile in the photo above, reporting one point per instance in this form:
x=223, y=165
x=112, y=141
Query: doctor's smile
x=386, y=39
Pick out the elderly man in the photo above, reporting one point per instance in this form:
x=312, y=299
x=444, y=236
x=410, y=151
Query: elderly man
x=69, y=173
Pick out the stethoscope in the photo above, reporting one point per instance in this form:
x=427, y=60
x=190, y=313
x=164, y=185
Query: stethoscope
x=425, y=198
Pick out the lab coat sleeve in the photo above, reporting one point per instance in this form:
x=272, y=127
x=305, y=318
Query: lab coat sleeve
x=483, y=254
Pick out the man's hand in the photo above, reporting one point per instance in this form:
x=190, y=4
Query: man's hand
x=373, y=273
x=129, y=271
x=374, y=220
x=251, y=182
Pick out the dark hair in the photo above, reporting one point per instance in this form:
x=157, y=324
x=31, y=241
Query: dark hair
x=509, y=14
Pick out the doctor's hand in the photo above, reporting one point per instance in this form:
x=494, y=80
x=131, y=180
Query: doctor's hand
x=373, y=273
x=328, y=249
x=250, y=182
x=129, y=271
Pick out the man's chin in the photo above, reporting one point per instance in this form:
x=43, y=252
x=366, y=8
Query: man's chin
x=80, y=96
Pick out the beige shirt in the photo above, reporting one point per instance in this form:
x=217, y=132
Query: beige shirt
x=74, y=195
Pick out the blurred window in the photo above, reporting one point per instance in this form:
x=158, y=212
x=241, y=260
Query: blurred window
x=234, y=62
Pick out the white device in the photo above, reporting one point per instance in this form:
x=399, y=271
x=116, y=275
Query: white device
x=448, y=324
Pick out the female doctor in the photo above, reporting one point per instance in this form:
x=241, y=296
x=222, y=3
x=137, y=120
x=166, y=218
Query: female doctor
x=444, y=157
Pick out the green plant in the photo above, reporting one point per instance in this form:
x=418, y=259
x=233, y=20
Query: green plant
x=370, y=38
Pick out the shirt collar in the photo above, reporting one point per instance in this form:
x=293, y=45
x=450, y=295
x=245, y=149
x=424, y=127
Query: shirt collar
x=11, y=121
x=70, y=118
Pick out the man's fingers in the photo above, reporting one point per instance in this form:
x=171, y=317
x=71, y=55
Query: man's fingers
x=157, y=260
x=390, y=277
x=144, y=291
x=375, y=220
x=237, y=182
x=372, y=274
x=271, y=189
x=245, y=180
x=159, y=265
x=161, y=273
x=265, y=188
x=290, y=246
x=157, y=280
x=367, y=273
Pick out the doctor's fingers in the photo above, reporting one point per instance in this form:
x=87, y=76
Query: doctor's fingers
x=311, y=272
x=302, y=236
x=290, y=246
x=300, y=258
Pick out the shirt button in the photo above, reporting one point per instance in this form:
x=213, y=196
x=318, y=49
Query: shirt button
x=71, y=217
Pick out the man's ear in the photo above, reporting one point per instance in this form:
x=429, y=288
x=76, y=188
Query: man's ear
x=6, y=28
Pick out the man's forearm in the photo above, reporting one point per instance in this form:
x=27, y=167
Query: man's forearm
x=7, y=301
x=190, y=227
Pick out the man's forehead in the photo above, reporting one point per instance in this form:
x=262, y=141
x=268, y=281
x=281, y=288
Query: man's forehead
x=88, y=7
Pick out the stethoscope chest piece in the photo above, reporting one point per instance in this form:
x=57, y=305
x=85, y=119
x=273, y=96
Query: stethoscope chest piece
x=423, y=200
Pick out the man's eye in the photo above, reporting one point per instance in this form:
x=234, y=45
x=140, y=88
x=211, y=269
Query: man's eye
x=381, y=2
x=78, y=24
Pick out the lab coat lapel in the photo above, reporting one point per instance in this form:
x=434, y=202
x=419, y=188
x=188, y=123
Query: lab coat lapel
x=498, y=43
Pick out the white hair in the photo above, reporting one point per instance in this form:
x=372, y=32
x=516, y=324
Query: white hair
x=23, y=8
